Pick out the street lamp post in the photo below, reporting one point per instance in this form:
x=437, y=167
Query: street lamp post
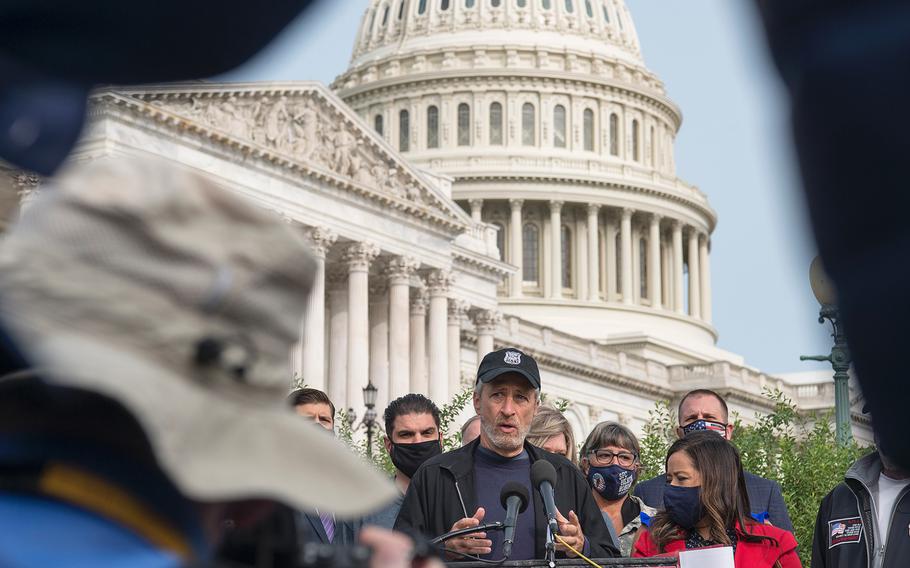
x=369, y=417
x=840, y=353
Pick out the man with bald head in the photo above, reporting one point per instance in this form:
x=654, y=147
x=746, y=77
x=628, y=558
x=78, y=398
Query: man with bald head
x=704, y=409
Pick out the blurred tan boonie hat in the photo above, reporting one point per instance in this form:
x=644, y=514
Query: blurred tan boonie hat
x=129, y=277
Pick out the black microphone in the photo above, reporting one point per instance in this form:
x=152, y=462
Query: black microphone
x=514, y=499
x=543, y=477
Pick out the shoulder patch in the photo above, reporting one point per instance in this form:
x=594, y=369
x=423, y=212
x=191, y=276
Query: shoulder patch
x=844, y=531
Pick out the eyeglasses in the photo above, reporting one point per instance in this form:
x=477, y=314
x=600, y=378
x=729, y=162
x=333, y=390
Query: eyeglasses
x=606, y=457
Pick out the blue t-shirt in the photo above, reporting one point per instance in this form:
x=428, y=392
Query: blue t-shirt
x=491, y=472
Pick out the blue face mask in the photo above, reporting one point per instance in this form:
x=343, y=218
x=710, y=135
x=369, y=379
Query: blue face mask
x=683, y=505
x=612, y=482
x=710, y=426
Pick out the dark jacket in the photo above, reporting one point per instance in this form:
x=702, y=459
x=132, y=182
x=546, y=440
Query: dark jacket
x=443, y=491
x=764, y=497
x=846, y=529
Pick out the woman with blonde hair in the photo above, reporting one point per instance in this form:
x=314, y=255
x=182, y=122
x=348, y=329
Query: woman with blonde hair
x=610, y=462
x=551, y=431
x=706, y=504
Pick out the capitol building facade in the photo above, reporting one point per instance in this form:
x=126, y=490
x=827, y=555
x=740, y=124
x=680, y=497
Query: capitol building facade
x=486, y=173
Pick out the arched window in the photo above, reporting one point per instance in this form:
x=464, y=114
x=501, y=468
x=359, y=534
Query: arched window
x=566, y=243
x=443, y=5
x=589, y=130
x=528, y=121
x=530, y=254
x=589, y=9
x=617, y=270
x=559, y=126
x=570, y=6
x=643, y=268
x=401, y=10
x=606, y=13
x=377, y=124
x=385, y=15
x=464, y=124
x=432, y=127
x=545, y=4
x=619, y=20
x=653, y=149
x=468, y=3
x=636, y=154
x=614, y=134
x=496, y=124
x=500, y=239
x=372, y=22
x=404, y=132
x=521, y=3
x=422, y=7
x=495, y=3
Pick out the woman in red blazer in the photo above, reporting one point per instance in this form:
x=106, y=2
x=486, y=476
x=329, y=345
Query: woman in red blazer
x=706, y=504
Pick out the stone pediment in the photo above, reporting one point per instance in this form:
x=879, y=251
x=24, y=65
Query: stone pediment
x=297, y=124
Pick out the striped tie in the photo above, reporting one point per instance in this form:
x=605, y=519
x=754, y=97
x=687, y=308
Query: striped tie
x=328, y=523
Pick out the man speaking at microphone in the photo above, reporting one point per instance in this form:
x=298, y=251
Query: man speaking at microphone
x=461, y=488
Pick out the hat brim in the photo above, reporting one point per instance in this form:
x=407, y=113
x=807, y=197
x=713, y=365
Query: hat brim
x=494, y=373
x=216, y=448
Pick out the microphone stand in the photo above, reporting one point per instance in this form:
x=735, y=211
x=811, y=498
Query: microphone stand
x=550, y=549
x=497, y=526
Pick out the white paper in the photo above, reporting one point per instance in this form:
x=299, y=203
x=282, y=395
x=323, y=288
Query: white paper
x=717, y=557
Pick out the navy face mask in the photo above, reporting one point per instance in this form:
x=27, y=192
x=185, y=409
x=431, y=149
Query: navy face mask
x=683, y=505
x=710, y=426
x=612, y=482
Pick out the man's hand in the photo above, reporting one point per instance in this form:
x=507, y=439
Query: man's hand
x=569, y=531
x=393, y=549
x=474, y=543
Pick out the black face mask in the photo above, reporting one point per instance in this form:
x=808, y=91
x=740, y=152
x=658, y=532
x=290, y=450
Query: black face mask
x=408, y=457
x=683, y=505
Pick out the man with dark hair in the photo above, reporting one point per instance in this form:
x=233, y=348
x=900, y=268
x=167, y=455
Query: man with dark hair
x=461, y=488
x=704, y=409
x=412, y=437
x=315, y=404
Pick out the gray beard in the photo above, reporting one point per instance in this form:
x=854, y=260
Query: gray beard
x=502, y=441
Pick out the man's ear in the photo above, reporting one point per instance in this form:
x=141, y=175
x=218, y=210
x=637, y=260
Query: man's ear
x=476, y=402
x=388, y=444
x=583, y=465
x=679, y=432
x=729, y=432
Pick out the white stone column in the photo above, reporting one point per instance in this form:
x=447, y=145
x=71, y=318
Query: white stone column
x=705, y=265
x=678, y=304
x=337, y=387
x=379, y=344
x=694, y=276
x=418, y=331
x=516, y=247
x=486, y=322
x=312, y=339
x=593, y=253
x=625, y=242
x=438, y=283
x=358, y=257
x=457, y=311
x=399, y=272
x=610, y=245
x=476, y=209
x=654, y=278
x=555, y=249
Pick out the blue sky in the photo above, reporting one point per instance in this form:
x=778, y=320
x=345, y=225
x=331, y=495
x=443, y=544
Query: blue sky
x=733, y=144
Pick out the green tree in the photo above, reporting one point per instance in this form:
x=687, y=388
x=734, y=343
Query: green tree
x=798, y=450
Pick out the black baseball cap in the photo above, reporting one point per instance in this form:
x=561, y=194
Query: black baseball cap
x=508, y=360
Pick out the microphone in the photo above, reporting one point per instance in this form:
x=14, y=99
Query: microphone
x=514, y=499
x=543, y=477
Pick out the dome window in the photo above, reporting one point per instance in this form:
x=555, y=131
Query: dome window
x=496, y=124
x=589, y=10
x=404, y=133
x=566, y=257
x=642, y=268
x=589, y=130
x=606, y=13
x=530, y=254
x=468, y=3
x=401, y=10
x=636, y=141
x=570, y=6
x=614, y=135
x=377, y=124
x=422, y=7
x=559, y=126
x=496, y=3
x=443, y=5
x=432, y=127
x=385, y=15
x=464, y=124
x=546, y=4
x=528, y=124
x=521, y=3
